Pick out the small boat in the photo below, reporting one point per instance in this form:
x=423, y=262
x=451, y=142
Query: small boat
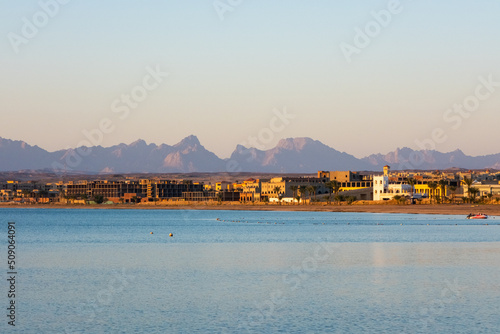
x=478, y=216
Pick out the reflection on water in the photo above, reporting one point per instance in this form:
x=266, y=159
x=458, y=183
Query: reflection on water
x=239, y=277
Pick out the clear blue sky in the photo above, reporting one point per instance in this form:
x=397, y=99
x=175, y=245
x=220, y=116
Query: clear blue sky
x=227, y=76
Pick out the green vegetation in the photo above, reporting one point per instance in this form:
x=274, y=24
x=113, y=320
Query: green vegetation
x=432, y=186
x=468, y=183
x=99, y=199
x=442, y=185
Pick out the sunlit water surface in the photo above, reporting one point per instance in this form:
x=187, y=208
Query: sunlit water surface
x=102, y=271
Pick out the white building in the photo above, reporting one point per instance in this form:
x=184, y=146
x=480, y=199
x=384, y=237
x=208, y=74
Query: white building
x=484, y=189
x=383, y=190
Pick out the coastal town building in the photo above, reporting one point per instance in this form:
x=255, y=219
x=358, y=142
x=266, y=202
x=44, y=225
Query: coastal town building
x=125, y=191
x=199, y=196
x=326, y=186
x=435, y=185
x=485, y=188
x=290, y=187
x=352, y=184
x=348, y=180
x=223, y=186
x=384, y=189
x=251, y=190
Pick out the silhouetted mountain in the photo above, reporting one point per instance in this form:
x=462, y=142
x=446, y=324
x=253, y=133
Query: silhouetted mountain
x=190, y=156
x=17, y=155
x=291, y=155
x=296, y=155
x=186, y=156
x=406, y=158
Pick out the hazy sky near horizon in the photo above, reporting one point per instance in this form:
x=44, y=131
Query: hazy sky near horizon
x=227, y=77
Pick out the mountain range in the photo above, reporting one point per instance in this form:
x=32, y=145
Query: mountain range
x=291, y=155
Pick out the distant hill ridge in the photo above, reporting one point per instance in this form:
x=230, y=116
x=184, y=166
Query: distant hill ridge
x=291, y=155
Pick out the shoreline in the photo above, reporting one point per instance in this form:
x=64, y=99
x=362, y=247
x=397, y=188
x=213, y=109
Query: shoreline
x=442, y=209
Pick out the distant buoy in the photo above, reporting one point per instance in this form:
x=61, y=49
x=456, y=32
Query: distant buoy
x=150, y=232
x=170, y=235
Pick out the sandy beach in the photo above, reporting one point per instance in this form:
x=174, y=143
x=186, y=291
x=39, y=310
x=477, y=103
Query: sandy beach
x=443, y=209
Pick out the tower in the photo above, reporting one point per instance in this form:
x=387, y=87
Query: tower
x=387, y=170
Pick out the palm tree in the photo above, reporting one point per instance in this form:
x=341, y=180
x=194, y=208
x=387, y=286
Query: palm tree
x=329, y=186
x=315, y=189
x=302, y=190
x=311, y=190
x=335, y=186
x=432, y=186
x=468, y=183
x=339, y=198
x=453, y=189
x=294, y=189
x=277, y=190
x=489, y=195
x=411, y=181
x=472, y=193
x=442, y=184
x=99, y=199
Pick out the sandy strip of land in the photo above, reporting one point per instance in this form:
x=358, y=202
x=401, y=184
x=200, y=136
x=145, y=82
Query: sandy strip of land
x=443, y=209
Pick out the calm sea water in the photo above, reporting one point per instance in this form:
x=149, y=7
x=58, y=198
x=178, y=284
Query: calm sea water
x=102, y=271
